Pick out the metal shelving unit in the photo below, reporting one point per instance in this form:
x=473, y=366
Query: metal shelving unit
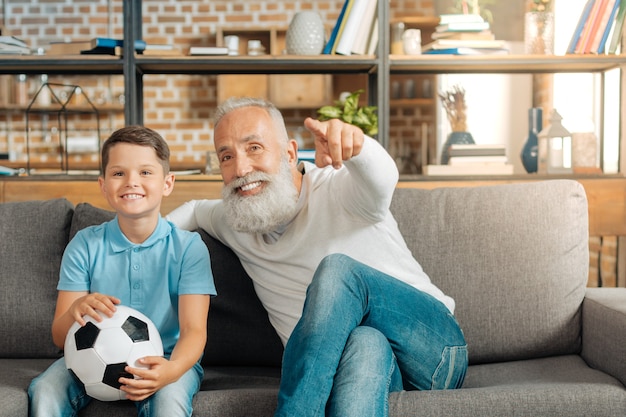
x=378, y=68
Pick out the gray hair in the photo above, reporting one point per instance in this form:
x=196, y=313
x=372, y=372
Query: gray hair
x=235, y=103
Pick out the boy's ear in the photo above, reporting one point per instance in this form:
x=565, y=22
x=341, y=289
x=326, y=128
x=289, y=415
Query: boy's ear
x=168, y=185
x=101, y=184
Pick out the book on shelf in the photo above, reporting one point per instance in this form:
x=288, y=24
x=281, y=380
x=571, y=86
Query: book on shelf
x=618, y=27
x=208, y=50
x=162, y=49
x=483, y=34
x=140, y=45
x=468, y=169
x=104, y=46
x=599, y=27
x=571, y=48
x=373, y=40
x=68, y=48
x=361, y=45
x=159, y=47
x=609, y=28
x=354, y=21
x=446, y=18
x=10, y=45
x=606, y=22
x=333, y=33
x=163, y=52
x=586, y=32
x=463, y=27
x=467, y=51
x=8, y=171
x=460, y=149
x=594, y=27
x=465, y=43
x=337, y=31
x=479, y=159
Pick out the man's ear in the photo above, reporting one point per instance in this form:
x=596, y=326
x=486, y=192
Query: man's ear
x=292, y=151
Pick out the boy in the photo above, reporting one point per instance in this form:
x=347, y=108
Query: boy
x=140, y=260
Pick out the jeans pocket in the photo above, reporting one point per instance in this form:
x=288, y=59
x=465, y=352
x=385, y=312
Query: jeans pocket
x=450, y=372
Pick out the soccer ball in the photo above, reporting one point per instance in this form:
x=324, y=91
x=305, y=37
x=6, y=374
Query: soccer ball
x=97, y=353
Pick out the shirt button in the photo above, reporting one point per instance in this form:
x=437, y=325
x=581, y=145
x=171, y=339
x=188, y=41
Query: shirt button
x=135, y=267
x=137, y=286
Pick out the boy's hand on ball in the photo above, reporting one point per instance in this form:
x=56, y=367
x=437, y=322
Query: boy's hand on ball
x=158, y=374
x=90, y=304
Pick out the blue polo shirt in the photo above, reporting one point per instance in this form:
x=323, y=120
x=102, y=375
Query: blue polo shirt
x=148, y=276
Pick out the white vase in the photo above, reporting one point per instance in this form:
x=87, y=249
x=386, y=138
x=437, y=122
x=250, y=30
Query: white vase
x=305, y=35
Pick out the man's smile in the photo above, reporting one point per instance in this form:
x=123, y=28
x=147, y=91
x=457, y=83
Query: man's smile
x=250, y=186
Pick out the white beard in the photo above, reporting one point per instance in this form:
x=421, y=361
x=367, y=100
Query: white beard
x=264, y=212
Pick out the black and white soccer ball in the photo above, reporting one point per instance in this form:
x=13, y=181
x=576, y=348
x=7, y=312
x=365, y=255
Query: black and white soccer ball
x=97, y=353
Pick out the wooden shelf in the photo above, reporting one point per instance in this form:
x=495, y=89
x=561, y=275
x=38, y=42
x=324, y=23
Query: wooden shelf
x=511, y=64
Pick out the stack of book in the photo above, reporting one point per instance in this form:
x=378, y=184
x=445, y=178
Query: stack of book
x=10, y=45
x=162, y=49
x=599, y=28
x=208, y=50
x=94, y=46
x=473, y=160
x=464, y=34
x=356, y=29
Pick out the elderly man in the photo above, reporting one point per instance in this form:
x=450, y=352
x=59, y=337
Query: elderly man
x=357, y=314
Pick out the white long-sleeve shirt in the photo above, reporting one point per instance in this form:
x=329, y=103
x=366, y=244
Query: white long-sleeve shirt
x=339, y=211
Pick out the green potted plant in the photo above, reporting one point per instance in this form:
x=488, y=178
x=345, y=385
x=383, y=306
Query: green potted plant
x=347, y=109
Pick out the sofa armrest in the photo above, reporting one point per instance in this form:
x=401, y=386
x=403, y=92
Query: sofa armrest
x=604, y=330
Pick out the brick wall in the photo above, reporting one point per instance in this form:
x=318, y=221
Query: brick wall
x=179, y=107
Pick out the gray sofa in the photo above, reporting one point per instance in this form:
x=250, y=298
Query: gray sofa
x=515, y=258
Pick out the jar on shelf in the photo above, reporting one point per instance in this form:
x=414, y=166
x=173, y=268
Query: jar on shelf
x=397, y=31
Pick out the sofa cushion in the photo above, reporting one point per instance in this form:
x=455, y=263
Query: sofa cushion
x=239, y=331
x=34, y=236
x=87, y=215
x=514, y=257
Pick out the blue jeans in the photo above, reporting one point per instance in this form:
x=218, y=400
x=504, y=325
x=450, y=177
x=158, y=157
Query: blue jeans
x=57, y=393
x=364, y=334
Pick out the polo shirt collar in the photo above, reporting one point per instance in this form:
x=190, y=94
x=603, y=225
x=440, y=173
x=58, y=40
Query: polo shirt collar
x=120, y=243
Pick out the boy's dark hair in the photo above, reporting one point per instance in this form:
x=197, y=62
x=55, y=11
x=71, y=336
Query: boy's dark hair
x=137, y=135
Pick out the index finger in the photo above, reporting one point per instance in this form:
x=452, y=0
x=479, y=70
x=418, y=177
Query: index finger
x=334, y=140
x=315, y=127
